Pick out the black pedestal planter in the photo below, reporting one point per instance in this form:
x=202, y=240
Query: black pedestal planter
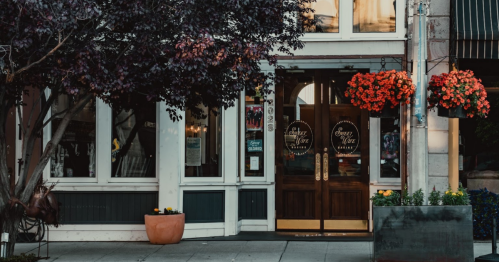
x=386, y=112
x=423, y=233
x=455, y=112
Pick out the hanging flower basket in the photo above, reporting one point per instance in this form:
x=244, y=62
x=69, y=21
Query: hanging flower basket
x=458, y=95
x=380, y=93
x=386, y=112
x=454, y=112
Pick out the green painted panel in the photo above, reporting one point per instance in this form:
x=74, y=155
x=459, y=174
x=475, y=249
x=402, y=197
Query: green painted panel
x=204, y=206
x=253, y=204
x=105, y=207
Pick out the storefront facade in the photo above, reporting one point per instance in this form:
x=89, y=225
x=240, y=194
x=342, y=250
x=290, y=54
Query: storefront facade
x=303, y=159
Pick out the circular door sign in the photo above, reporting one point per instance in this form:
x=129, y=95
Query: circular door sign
x=345, y=137
x=298, y=137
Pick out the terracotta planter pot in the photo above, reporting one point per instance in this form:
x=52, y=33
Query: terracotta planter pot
x=164, y=229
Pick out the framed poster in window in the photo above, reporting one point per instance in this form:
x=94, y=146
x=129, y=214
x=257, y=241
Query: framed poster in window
x=254, y=117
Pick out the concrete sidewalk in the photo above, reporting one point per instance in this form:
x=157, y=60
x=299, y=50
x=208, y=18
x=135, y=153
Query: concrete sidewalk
x=231, y=251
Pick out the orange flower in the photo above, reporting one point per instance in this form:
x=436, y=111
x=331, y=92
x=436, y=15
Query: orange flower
x=458, y=88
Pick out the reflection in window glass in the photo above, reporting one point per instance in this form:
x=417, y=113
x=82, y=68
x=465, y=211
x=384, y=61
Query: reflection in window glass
x=326, y=16
x=254, y=142
x=299, y=123
x=75, y=154
x=390, y=148
x=479, y=142
x=203, y=145
x=371, y=16
x=134, y=143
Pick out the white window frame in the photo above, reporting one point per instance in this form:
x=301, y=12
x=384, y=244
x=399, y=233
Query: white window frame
x=111, y=179
x=103, y=165
x=346, y=26
x=375, y=156
x=268, y=141
x=221, y=162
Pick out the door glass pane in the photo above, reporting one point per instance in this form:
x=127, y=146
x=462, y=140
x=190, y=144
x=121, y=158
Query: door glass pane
x=254, y=142
x=299, y=125
x=344, y=137
x=371, y=16
x=326, y=16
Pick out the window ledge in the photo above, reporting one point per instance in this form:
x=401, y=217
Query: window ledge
x=353, y=39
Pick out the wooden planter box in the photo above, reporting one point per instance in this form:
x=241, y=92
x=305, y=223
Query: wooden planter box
x=423, y=233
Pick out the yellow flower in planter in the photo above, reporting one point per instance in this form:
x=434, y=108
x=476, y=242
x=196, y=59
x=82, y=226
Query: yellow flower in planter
x=381, y=192
x=156, y=210
x=387, y=193
x=169, y=208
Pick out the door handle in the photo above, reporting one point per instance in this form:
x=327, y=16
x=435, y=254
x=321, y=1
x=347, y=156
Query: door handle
x=325, y=166
x=317, y=166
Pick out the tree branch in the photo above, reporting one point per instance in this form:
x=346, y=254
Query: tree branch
x=33, y=110
x=54, y=116
x=20, y=119
x=10, y=76
x=47, y=152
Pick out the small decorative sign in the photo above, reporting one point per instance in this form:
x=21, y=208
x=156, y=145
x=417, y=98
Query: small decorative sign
x=193, y=151
x=254, y=163
x=255, y=145
x=345, y=137
x=298, y=137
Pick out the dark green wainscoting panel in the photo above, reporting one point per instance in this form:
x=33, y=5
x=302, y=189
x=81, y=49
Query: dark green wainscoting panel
x=253, y=204
x=105, y=207
x=204, y=206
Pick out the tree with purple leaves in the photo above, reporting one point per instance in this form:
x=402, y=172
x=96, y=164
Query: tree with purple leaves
x=184, y=53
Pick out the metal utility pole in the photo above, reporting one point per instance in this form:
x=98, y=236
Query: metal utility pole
x=418, y=152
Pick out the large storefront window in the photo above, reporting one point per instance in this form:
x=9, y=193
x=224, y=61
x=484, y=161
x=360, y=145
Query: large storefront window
x=374, y=16
x=74, y=156
x=326, y=15
x=479, y=142
x=254, y=142
x=134, y=142
x=203, y=144
x=390, y=148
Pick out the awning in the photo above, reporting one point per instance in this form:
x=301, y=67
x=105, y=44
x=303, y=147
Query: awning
x=475, y=29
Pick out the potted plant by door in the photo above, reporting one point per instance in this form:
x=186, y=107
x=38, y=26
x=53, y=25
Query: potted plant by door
x=440, y=231
x=165, y=228
x=380, y=93
x=458, y=94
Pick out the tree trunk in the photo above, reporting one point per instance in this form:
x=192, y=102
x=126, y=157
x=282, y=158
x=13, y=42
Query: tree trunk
x=11, y=217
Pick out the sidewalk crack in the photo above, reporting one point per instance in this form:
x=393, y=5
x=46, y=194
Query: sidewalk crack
x=286, y=247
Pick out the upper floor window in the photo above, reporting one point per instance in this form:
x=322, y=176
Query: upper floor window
x=355, y=19
x=326, y=15
x=374, y=16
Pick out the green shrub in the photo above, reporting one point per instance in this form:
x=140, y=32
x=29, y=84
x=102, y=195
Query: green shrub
x=386, y=198
x=434, y=198
x=418, y=197
x=485, y=209
x=459, y=198
x=20, y=258
x=406, y=198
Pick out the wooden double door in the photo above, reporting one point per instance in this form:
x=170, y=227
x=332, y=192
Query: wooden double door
x=322, y=153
